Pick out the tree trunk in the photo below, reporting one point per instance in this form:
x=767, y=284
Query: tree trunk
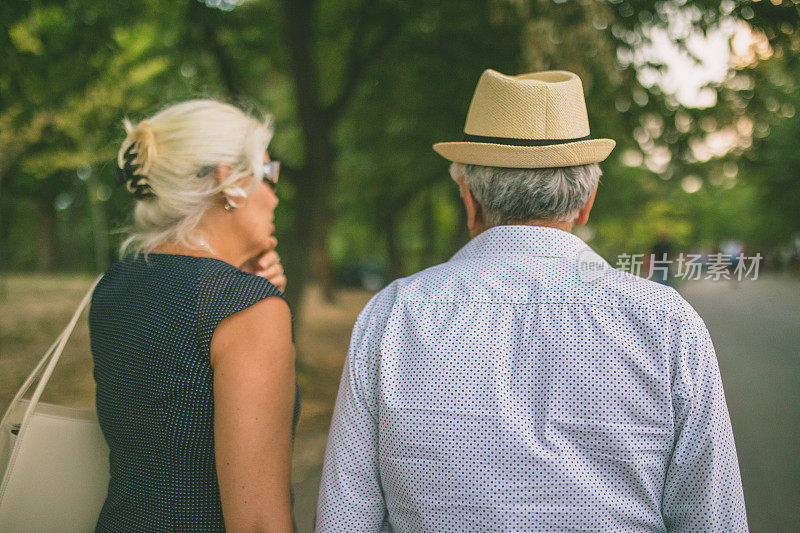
x=461, y=236
x=322, y=213
x=429, y=255
x=393, y=248
x=99, y=228
x=68, y=224
x=206, y=22
x=312, y=215
x=4, y=227
x=306, y=256
x=46, y=245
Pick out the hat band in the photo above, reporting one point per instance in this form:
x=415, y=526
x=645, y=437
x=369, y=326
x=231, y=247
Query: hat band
x=520, y=142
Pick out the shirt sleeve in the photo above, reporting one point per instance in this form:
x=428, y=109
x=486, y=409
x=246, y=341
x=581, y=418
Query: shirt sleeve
x=350, y=494
x=703, y=486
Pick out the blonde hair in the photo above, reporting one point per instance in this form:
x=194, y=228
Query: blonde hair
x=176, y=154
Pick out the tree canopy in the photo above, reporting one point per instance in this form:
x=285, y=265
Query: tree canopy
x=360, y=89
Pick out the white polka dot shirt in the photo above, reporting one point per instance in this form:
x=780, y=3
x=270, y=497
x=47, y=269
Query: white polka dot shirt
x=514, y=388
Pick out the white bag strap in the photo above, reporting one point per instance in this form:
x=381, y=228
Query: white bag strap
x=50, y=359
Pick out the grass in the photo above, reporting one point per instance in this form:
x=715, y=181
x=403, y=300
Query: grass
x=35, y=308
x=33, y=311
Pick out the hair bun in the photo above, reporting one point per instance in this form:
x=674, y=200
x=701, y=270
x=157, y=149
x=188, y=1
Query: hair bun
x=134, y=160
x=144, y=139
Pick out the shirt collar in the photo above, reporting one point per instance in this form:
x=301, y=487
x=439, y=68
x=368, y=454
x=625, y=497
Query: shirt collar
x=539, y=241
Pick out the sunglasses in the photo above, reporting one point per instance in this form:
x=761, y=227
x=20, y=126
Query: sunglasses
x=270, y=171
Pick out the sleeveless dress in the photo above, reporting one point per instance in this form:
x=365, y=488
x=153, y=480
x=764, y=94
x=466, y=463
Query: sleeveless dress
x=151, y=322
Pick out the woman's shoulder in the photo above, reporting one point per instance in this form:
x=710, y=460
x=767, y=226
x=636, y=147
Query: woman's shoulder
x=212, y=281
x=172, y=265
x=140, y=285
x=133, y=274
x=218, y=279
x=224, y=290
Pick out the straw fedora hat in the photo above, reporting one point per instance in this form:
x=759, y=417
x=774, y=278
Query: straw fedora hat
x=534, y=120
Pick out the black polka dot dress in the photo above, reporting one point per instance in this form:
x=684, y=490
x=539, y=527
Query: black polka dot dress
x=151, y=322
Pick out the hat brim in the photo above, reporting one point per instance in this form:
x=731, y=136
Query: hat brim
x=507, y=156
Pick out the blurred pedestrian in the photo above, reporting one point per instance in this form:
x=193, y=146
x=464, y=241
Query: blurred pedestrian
x=731, y=250
x=662, y=257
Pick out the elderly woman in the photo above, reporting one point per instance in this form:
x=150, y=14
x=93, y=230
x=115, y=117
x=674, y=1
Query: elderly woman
x=193, y=352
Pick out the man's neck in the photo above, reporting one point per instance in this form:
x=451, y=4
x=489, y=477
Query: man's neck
x=564, y=226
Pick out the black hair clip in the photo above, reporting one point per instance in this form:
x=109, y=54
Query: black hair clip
x=127, y=175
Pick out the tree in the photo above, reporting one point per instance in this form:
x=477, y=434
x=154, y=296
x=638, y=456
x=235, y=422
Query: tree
x=359, y=90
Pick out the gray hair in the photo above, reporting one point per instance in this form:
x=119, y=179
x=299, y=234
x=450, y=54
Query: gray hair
x=515, y=195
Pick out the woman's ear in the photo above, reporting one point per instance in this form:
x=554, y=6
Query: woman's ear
x=223, y=171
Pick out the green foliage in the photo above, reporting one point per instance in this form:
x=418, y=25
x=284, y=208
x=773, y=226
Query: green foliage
x=359, y=90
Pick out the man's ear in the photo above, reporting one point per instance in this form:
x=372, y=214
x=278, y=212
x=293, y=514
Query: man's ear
x=583, y=214
x=474, y=214
x=223, y=171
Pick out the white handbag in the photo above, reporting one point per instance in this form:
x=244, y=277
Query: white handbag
x=53, y=459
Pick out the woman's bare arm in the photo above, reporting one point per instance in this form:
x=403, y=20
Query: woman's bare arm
x=253, y=360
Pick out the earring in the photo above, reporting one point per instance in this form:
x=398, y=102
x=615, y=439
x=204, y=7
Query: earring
x=228, y=206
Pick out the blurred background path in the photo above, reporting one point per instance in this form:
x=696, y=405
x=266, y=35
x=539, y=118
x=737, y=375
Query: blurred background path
x=755, y=326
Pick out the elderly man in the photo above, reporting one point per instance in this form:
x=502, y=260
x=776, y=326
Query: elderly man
x=526, y=385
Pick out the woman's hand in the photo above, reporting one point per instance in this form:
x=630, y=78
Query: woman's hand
x=268, y=266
